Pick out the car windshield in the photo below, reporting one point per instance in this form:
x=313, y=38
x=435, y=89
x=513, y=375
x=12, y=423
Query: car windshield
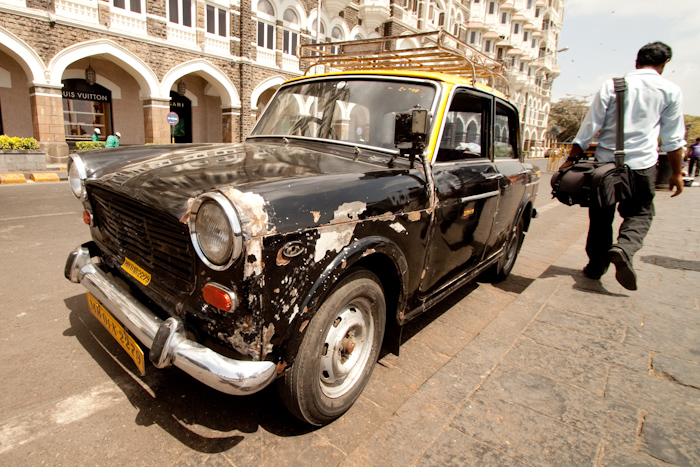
x=356, y=111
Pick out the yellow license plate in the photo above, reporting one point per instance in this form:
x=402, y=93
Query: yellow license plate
x=118, y=332
x=136, y=271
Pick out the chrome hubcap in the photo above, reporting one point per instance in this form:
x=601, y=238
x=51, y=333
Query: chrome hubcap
x=347, y=348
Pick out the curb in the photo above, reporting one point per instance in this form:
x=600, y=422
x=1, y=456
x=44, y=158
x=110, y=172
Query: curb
x=39, y=177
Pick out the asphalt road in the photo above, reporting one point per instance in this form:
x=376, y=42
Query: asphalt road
x=70, y=395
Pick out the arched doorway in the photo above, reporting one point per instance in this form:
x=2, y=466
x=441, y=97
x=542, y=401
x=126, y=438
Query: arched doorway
x=86, y=107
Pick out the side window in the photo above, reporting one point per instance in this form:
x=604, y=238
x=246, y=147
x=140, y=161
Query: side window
x=465, y=132
x=505, y=131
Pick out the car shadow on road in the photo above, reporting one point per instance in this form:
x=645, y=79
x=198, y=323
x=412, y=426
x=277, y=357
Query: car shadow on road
x=193, y=413
x=672, y=263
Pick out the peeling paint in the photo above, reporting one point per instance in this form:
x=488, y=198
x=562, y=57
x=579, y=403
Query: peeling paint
x=186, y=217
x=414, y=216
x=303, y=325
x=247, y=326
x=317, y=215
x=239, y=344
x=280, y=367
x=254, y=219
x=293, y=315
x=369, y=251
x=398, y=227
x=253, y=264
x=267, y=335
x=338, y=234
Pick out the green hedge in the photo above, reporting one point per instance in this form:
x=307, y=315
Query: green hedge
x=87, y=145
x=16, y=142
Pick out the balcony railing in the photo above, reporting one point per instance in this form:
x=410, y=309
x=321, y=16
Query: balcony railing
x=134, y=23
x=217, y=45
x=79, y=10
x=182, y=35
x=266, y=56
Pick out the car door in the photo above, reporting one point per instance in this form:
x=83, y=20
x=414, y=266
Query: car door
x=515, y=175
x=467, y=189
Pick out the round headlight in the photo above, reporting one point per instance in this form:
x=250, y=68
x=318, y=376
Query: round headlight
x=215, y=230
x=76, y=177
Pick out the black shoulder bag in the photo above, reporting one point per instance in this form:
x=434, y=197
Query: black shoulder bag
x=593, y=183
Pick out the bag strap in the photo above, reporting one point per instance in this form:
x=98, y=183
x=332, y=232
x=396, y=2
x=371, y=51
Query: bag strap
x=620, y=90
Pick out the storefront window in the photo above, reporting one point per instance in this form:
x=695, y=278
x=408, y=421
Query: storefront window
x=85, y=108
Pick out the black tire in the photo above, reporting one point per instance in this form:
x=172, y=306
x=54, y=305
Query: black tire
x=504, y=266
x=338, y=353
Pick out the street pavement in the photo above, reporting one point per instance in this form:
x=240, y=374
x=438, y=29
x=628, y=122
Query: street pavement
x=545, y=368
x=573, y=371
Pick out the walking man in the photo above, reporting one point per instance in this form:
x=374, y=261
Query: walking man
x=693, y=158
x=653, y=109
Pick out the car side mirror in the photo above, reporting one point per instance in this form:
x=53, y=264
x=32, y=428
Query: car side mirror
x=411, y=130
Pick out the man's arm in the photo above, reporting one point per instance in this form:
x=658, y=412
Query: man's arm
x=574, y=155
x=675, y=158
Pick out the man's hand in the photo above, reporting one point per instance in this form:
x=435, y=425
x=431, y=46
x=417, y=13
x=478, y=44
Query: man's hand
x=676, y=181
x=574, y=153
x=565, y=164
x=675, y=159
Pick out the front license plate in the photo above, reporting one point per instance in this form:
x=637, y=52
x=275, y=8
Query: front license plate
x=118, y=332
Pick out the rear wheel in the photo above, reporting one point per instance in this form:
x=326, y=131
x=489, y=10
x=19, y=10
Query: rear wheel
x=504, y=266
x=338, y=352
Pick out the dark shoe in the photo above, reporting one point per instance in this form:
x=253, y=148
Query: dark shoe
x=593, y=272
x=625, y=274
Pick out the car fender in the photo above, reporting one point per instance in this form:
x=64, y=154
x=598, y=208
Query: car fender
x=359, y=251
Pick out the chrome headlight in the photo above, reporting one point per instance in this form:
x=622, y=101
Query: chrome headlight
x=215, y=230
x=76, y=177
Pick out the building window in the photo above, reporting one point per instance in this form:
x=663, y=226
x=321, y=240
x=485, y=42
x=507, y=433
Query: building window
x=534, y=43
x=499, y=55
x=529, y=4
x=526, y=36
x=522, y=67
x=487, y=47
x=216, y=20
x=337, y=35
x=504, y=18
x=134, y=5
x=266, y=30
x=290, y=37
x=181, y=12
x=516, y=28
x=537, y=12
x=492, y=8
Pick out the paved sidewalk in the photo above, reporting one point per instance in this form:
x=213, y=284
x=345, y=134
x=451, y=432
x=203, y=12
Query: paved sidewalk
x=573, y=371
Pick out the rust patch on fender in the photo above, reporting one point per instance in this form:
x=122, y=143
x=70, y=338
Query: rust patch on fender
x=267, y=335
x=281, y=259
x=303, y=325
x=280, y=367
x=186, y=216
x=414, y=216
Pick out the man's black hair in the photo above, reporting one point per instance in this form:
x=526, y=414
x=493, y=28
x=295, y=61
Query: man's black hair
x=654, y=54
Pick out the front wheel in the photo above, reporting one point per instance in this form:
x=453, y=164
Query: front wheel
x=338, y=352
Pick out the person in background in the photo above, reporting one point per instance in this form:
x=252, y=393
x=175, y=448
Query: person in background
x=693, y=158
x=96, y=134
x=653, y=109
x=113, y=140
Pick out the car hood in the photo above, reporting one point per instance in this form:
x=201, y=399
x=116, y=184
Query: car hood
x=286, y=179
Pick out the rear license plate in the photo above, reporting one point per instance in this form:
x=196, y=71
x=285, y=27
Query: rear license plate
x=118, y=332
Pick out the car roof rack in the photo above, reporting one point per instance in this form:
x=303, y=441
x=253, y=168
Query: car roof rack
x=439, y=52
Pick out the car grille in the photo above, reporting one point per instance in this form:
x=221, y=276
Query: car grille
x=156, y=242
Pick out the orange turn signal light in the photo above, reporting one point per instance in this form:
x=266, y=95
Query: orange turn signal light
x=218, y=296
x=87, y=217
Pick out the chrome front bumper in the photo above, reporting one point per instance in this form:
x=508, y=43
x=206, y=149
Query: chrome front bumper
x=166, y=339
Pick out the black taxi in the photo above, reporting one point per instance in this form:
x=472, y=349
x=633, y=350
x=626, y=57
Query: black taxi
x=359, y=200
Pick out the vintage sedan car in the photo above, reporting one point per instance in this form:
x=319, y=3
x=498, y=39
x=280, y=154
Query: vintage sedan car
x=358, y=201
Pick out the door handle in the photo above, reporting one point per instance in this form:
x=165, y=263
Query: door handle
x=493, y=176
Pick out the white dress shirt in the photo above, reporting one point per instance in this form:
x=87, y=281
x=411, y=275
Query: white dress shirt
x=653, y=109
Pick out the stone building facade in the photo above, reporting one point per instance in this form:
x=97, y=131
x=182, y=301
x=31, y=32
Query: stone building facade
x=70, y=66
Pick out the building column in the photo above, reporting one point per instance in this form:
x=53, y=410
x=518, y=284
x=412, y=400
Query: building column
x=231, y=119
x=157, y=128
x=47, y=121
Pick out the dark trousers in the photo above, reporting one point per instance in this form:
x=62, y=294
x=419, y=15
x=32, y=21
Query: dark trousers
x=637, y=214
x=693, y=162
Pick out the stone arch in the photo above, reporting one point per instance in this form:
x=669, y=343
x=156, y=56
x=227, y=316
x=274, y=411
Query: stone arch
x=265, y=85
x=214, y=76
x=296, y=7
x=114, y=88
x=107, y=50
x=25, y=56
